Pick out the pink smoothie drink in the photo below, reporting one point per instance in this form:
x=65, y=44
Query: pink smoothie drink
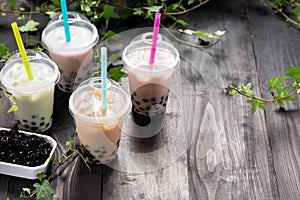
x=150, y=84
x=70, y=56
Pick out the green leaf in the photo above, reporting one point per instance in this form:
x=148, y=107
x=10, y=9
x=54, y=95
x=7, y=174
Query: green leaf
x=232, y=92
x=138, y=11
x=274, y=83
x=297, y=12
x=182, y=22
x=52, y=14
x=3, y=49
x=31, y=25
x=56, y=2
x=246, y=89
x=204, y=34
x=69, y=145
x=25, y=193
x=41, y=176
x=110, y=34
x=109, y=12
x=153, y=9
x=44, y=190
x=13, y=109
x=12, y=4
x=114, y=57
x=255, y=104
x=186, y=31
x=294, y=72
x=191, y=2
x=116, y=74
x=219, y=33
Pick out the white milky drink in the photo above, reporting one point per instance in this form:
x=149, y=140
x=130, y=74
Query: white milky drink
x=34, y=98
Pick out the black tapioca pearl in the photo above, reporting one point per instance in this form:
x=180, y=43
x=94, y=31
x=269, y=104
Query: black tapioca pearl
x=161, y=102
x=34, y=128
x=166, y=99
x=137, y=103
x=100, y=156
x=153, y=99
x=25, y=120
x=26, y=126
x=104, y=152
x=164, y=105
x=33, y=116
x=162, y=98
x=148, y=108
x=43, y=118
x=33, y=123
x=118, y=143
x=141, y=108
x=145, y=100
x=132, y=97
x=97, y=151
x=18, y=121
x=42, y=123
x=134, y=94
x=47, y=125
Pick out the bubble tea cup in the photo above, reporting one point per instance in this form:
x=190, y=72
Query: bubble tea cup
x=150, y=83
x=70, y=56
x=34, y=98
x=99, y=131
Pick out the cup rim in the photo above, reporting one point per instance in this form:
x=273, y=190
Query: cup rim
x=50, y=46
x=97, y=87
x=146, y=43
x=18, y=60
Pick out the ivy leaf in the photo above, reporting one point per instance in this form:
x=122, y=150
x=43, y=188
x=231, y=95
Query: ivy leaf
x=219, y=33
x=274, y=83
x=232, y=92
x=153, y=9
x=203, y=34
x=186, y=31
x=44, y=190
x=69, y=145
x=12, y=4
x=294, y=72
x=116, y=74
x=297, y=12
x=55, y=2
x=31, y=25
x=13, y=109
x=138, y=11
x=255, y=104
x=52, y=14
x=109, y=12
x=182, y=22
x=246, y=89
x=114, y=57
x=3, y=49
x=109, y=34
x=191, y=2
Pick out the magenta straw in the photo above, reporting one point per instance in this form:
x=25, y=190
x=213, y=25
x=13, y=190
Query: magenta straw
x=154, y=37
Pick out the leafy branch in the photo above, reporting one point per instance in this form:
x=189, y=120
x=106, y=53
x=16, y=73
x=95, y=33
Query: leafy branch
x=279, y=92
x=43, y=189
x=281, y=7
x=11, y=98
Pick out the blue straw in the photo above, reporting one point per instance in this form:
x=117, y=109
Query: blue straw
x=65, y=19
x=103, y=76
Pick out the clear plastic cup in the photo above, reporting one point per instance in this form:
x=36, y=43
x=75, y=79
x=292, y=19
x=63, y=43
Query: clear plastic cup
x=99, y=131
x=69, y=56
x=150, y=84
x=34, y=98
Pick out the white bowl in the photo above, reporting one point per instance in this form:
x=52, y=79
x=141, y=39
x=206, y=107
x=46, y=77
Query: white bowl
x=25, y=171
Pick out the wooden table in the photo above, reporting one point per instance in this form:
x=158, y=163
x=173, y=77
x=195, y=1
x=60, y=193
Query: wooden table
x=228, y=153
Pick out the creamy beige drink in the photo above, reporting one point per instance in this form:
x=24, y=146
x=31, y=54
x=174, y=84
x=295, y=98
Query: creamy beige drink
x=150, y=84
x=34, y=98
x=70, y=56
x=99, y=131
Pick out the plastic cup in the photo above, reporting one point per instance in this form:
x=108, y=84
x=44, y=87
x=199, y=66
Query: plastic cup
x=150, y=84
x=69, y=56
x=34, y=98
x=99, y=131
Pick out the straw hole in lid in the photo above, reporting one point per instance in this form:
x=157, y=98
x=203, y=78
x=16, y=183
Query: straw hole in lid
x=148, y=37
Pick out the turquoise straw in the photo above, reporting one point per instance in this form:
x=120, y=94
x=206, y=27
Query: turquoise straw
x=63, y=5
x=103, y=76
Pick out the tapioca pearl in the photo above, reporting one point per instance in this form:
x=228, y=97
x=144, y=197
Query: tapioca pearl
x=118, y=143
x=162, y=98
x=26, y=125
x=166, y=99
x=100, y=156
x=42, y=123
x=141, y=108
x=43, y=118
x=33, y=123
x=164, y=105
x=104, y=152
x=134, y=94
x=97, y=151
x=112, y=153
x=86, y=146
x=145, y=100
x=25, y=121
x=153, y=99
x=161, y=102
x=34, y=128
x=137, y=103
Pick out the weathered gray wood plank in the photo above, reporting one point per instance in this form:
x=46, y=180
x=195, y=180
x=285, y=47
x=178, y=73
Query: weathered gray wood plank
x=238, y=166
x=277, y=47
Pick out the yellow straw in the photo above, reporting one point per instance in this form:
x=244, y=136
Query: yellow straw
x=22, y=50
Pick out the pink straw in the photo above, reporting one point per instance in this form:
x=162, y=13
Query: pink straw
x=154, y=37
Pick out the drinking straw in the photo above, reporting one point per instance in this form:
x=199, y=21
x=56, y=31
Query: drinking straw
x=22, y=50
x=103, y=76
x=64, y=11
x=154, y=37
